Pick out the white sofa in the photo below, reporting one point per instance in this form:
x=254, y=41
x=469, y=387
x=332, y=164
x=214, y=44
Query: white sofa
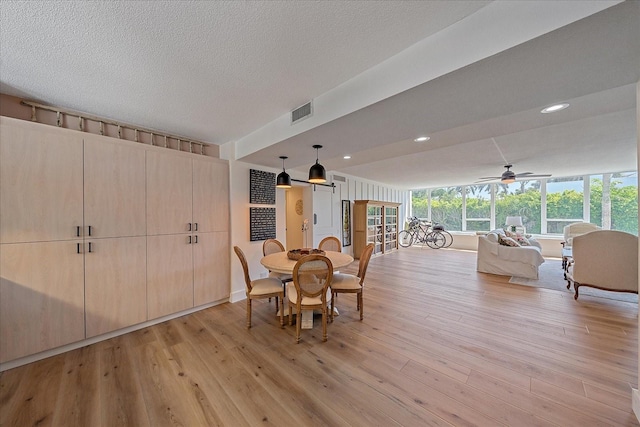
x=494, y=258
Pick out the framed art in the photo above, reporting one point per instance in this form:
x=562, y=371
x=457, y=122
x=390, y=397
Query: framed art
x=346, y=223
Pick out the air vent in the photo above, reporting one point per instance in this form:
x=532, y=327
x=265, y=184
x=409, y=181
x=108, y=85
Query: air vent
x=301, y=112
x=339, y=178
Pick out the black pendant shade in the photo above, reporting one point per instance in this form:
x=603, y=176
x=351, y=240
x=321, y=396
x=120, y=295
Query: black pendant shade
x=283, y=180
x=317, y=174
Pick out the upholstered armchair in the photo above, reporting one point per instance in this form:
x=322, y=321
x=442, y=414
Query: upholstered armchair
x=604, y=259
x=576, y=229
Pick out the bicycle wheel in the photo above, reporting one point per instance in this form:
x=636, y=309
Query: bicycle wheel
x=405, y=238
x=448, y=238
x=436, y=240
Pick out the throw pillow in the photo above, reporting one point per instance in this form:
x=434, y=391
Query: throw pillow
x=508, y=241
x=523, y=241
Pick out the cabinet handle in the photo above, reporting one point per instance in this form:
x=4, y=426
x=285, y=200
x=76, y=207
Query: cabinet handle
x=77, y=247
x=196, y=227
x=89, y=247
x=78, y=233
x=189, y=228
x=89, y=230
x=196, y=239
x=189, y=239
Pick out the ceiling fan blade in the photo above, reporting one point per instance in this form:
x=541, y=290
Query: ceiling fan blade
x=530, y=175
x=488, y=178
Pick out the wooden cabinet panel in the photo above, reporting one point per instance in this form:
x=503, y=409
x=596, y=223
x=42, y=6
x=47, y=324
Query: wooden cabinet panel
x=41, y=297
x=41, y=180
x=210, y=195
x=114, y=190
x=169, y=274
x=211, y=281
x=115, y=284
x=169, y=193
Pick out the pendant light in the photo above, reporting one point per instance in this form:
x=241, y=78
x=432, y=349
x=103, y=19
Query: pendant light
x=317, y=174
x=284, y=180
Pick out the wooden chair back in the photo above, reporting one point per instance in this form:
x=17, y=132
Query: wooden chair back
x=245, y=267
x=330, y=243
x=271, y=246
x=364, y=261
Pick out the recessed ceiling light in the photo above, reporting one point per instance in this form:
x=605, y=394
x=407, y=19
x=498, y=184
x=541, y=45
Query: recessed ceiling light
x=347, y=157
x=554, y=108
x=422, y=139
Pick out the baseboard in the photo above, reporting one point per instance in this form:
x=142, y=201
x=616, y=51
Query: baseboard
x=635, y=402
x=73, y=346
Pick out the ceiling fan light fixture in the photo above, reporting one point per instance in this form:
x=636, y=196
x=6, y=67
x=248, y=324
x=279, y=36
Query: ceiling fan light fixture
x=283, y=180
x=554, y=108
x=317, y=174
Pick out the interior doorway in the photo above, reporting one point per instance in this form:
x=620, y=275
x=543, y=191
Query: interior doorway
x=295, y=211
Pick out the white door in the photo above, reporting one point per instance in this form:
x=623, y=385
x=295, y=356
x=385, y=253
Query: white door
x=324, y=218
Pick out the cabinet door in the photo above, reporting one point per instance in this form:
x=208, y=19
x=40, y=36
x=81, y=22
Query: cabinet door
x=211, y=281
x=41, y=297
x=114, y=188
x=115, y=284
x=41, y=183
x=211, y=195
x=169, y=274
x=169, y=193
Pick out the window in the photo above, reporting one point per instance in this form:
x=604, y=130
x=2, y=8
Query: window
x=521, y=199
x=614, y=201
x=478, y=207
x=565, y=203
x=446, y=207
x=546, y=206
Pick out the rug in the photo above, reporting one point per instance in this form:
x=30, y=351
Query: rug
x=551, y=276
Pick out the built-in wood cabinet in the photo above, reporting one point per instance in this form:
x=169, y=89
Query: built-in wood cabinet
x=170, y=274
x=375, y=222
x=41, y=173
x=98, y=234
x=114, y=188
x=41, y=297
x=197, y=192
x=115, y=283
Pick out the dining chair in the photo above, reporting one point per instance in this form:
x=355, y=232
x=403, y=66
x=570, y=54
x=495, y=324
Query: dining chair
x=260, y=288
x=309, y=290
x=271, y=246
x=330, y=243
x=350, y=284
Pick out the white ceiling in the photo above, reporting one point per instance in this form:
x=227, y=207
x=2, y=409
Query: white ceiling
x=379, y=74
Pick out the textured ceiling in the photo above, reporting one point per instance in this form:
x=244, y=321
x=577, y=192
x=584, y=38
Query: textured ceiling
x=380, y=74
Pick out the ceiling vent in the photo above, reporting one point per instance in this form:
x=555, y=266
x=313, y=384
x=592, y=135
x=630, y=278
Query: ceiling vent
x=301, y=113
x=339, y=178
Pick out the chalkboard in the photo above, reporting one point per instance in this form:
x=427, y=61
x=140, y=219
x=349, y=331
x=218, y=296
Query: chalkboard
x=262, y=187
x=262, y=223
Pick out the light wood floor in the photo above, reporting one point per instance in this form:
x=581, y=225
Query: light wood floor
x=440, y=344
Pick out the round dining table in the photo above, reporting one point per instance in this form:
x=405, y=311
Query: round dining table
x=279, y=262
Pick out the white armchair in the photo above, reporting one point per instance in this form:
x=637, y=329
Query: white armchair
x=604, y=259
x=577, y=229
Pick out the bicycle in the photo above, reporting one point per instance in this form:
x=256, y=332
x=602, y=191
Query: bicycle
x=423, y=232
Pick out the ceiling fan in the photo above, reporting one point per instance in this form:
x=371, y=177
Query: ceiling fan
x=510, y=176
